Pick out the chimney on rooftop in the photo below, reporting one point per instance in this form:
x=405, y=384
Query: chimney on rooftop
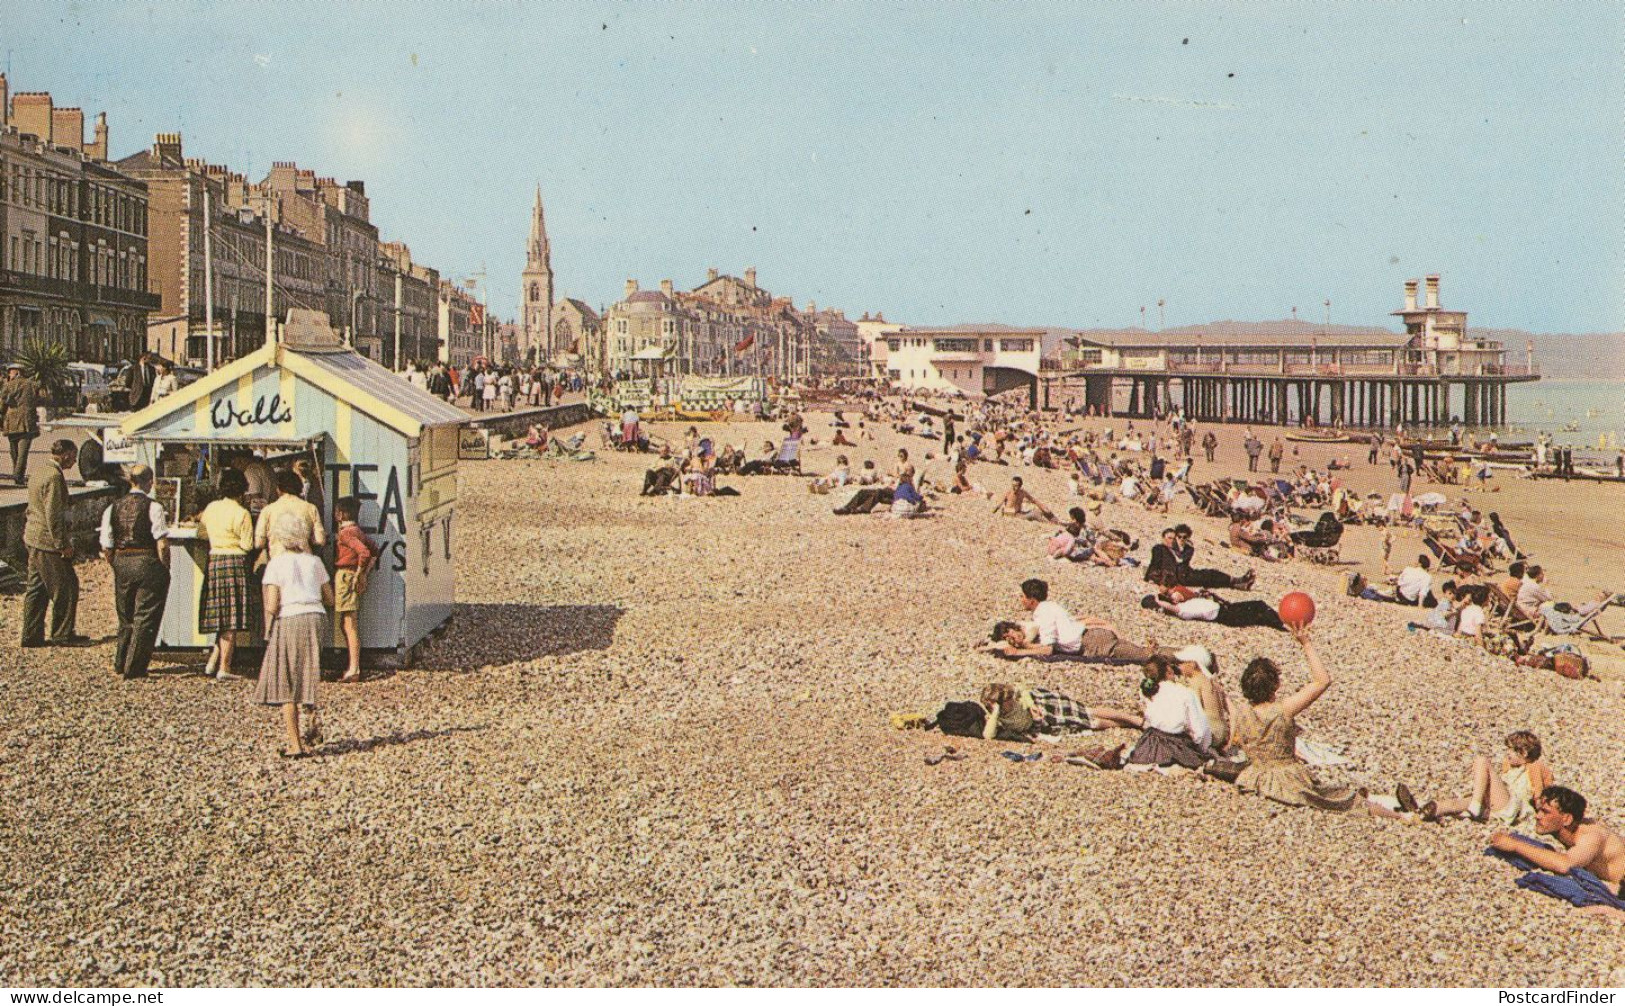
x=631, y=288
x=98, y=146
x=1433, y=292
x=5, y=100
x=167, y=145
x=710, y=275
x=1410, y=295
x=68, y=128
x=750, y=276
x=665, y=287
x=31, y=113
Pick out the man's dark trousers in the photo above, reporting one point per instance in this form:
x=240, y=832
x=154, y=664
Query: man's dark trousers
x=140, y=588
x=51, y=579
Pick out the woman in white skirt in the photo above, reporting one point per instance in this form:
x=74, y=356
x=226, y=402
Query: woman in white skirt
x=298, y=595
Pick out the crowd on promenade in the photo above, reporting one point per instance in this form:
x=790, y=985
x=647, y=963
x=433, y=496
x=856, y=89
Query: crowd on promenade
x=492, y=387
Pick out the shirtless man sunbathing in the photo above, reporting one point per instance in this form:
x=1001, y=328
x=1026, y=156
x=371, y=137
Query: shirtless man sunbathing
x=1014, y=503
x=1587, y=845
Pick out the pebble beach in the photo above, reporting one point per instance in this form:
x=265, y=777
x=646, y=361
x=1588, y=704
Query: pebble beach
x=653, y=747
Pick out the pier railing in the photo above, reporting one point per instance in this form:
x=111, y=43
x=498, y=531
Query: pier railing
x=1305, y=370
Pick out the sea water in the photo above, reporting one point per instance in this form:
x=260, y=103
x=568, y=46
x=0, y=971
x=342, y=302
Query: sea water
x=1595, y=408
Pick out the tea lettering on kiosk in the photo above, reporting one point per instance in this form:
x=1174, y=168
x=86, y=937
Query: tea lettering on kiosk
x=391, y=522
x=267, y=412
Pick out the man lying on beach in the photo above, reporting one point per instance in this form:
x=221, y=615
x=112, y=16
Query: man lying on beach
x=1197, y=605
x=1014, y=503
x=1586, y=844
x=1170, y=564
x=1054, y=632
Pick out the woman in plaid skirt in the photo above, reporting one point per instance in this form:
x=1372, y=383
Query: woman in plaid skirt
x=229, y=604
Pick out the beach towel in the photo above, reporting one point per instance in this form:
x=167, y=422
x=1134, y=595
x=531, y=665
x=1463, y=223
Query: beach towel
x=1076, y=658
x=1580, y=888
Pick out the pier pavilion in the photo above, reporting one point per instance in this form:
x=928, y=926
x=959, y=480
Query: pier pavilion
x=1430, y=374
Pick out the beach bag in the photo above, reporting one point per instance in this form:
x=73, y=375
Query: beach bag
x=1570, y=665
x=962, y=719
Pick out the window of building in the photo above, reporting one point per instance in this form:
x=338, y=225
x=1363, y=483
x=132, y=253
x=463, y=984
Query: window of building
x=1016, y=345
x=954, y=345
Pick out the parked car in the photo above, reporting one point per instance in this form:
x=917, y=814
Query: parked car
x=186, y=375
x=91, y=390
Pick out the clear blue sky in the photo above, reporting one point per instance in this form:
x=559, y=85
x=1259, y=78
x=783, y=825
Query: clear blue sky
x=1058, y=164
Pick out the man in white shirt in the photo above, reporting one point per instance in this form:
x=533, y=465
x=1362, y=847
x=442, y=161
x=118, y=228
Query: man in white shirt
x=1054, y=632
x=1415, y=582
x=135, y=542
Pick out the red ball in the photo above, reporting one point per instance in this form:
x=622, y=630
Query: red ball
x=1297, y=609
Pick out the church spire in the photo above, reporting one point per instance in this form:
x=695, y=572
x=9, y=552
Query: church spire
x=536, y=282
x=537, y=255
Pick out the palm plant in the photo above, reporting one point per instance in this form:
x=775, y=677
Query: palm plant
x=47, y=364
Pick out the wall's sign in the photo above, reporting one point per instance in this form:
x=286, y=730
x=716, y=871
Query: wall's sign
x=266, y=412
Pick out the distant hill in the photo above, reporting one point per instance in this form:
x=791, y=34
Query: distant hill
x=1595, y=356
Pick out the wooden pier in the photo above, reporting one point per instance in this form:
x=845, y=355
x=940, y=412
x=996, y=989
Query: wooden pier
x=1288, y=399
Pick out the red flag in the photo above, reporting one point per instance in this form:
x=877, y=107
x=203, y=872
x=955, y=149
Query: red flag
x=476, y=315
x=745, y=343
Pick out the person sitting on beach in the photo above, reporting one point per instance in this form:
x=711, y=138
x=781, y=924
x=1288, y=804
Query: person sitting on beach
x=1586, y=844
x=1176, y=731
x=1014, y=503
x=1472, y=616
x=1077, y=542
x=1265, y=728
x=1020, y=712
x=1053, y=631
x=1446, y=614
x=1415, y=584
x=903, y=469
x=840, y=439
x=1255, y=538
x=1532, y=592
x=1199, y=605
x=659, y=480
x=536, y=438
x=729, y=459
x=836, y=479
x=763, y=463
x=696, y=479
x=1199, y=670
x=1505, y=795
x=1170, y=564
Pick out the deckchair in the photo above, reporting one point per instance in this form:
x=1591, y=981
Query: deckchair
x=1465, y=563
x=789, y=459
x=1559, y=624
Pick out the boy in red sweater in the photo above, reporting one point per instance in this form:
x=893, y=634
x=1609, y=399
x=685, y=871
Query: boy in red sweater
x=357, y=555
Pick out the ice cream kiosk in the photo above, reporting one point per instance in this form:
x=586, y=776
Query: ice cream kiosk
x=368, y=432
